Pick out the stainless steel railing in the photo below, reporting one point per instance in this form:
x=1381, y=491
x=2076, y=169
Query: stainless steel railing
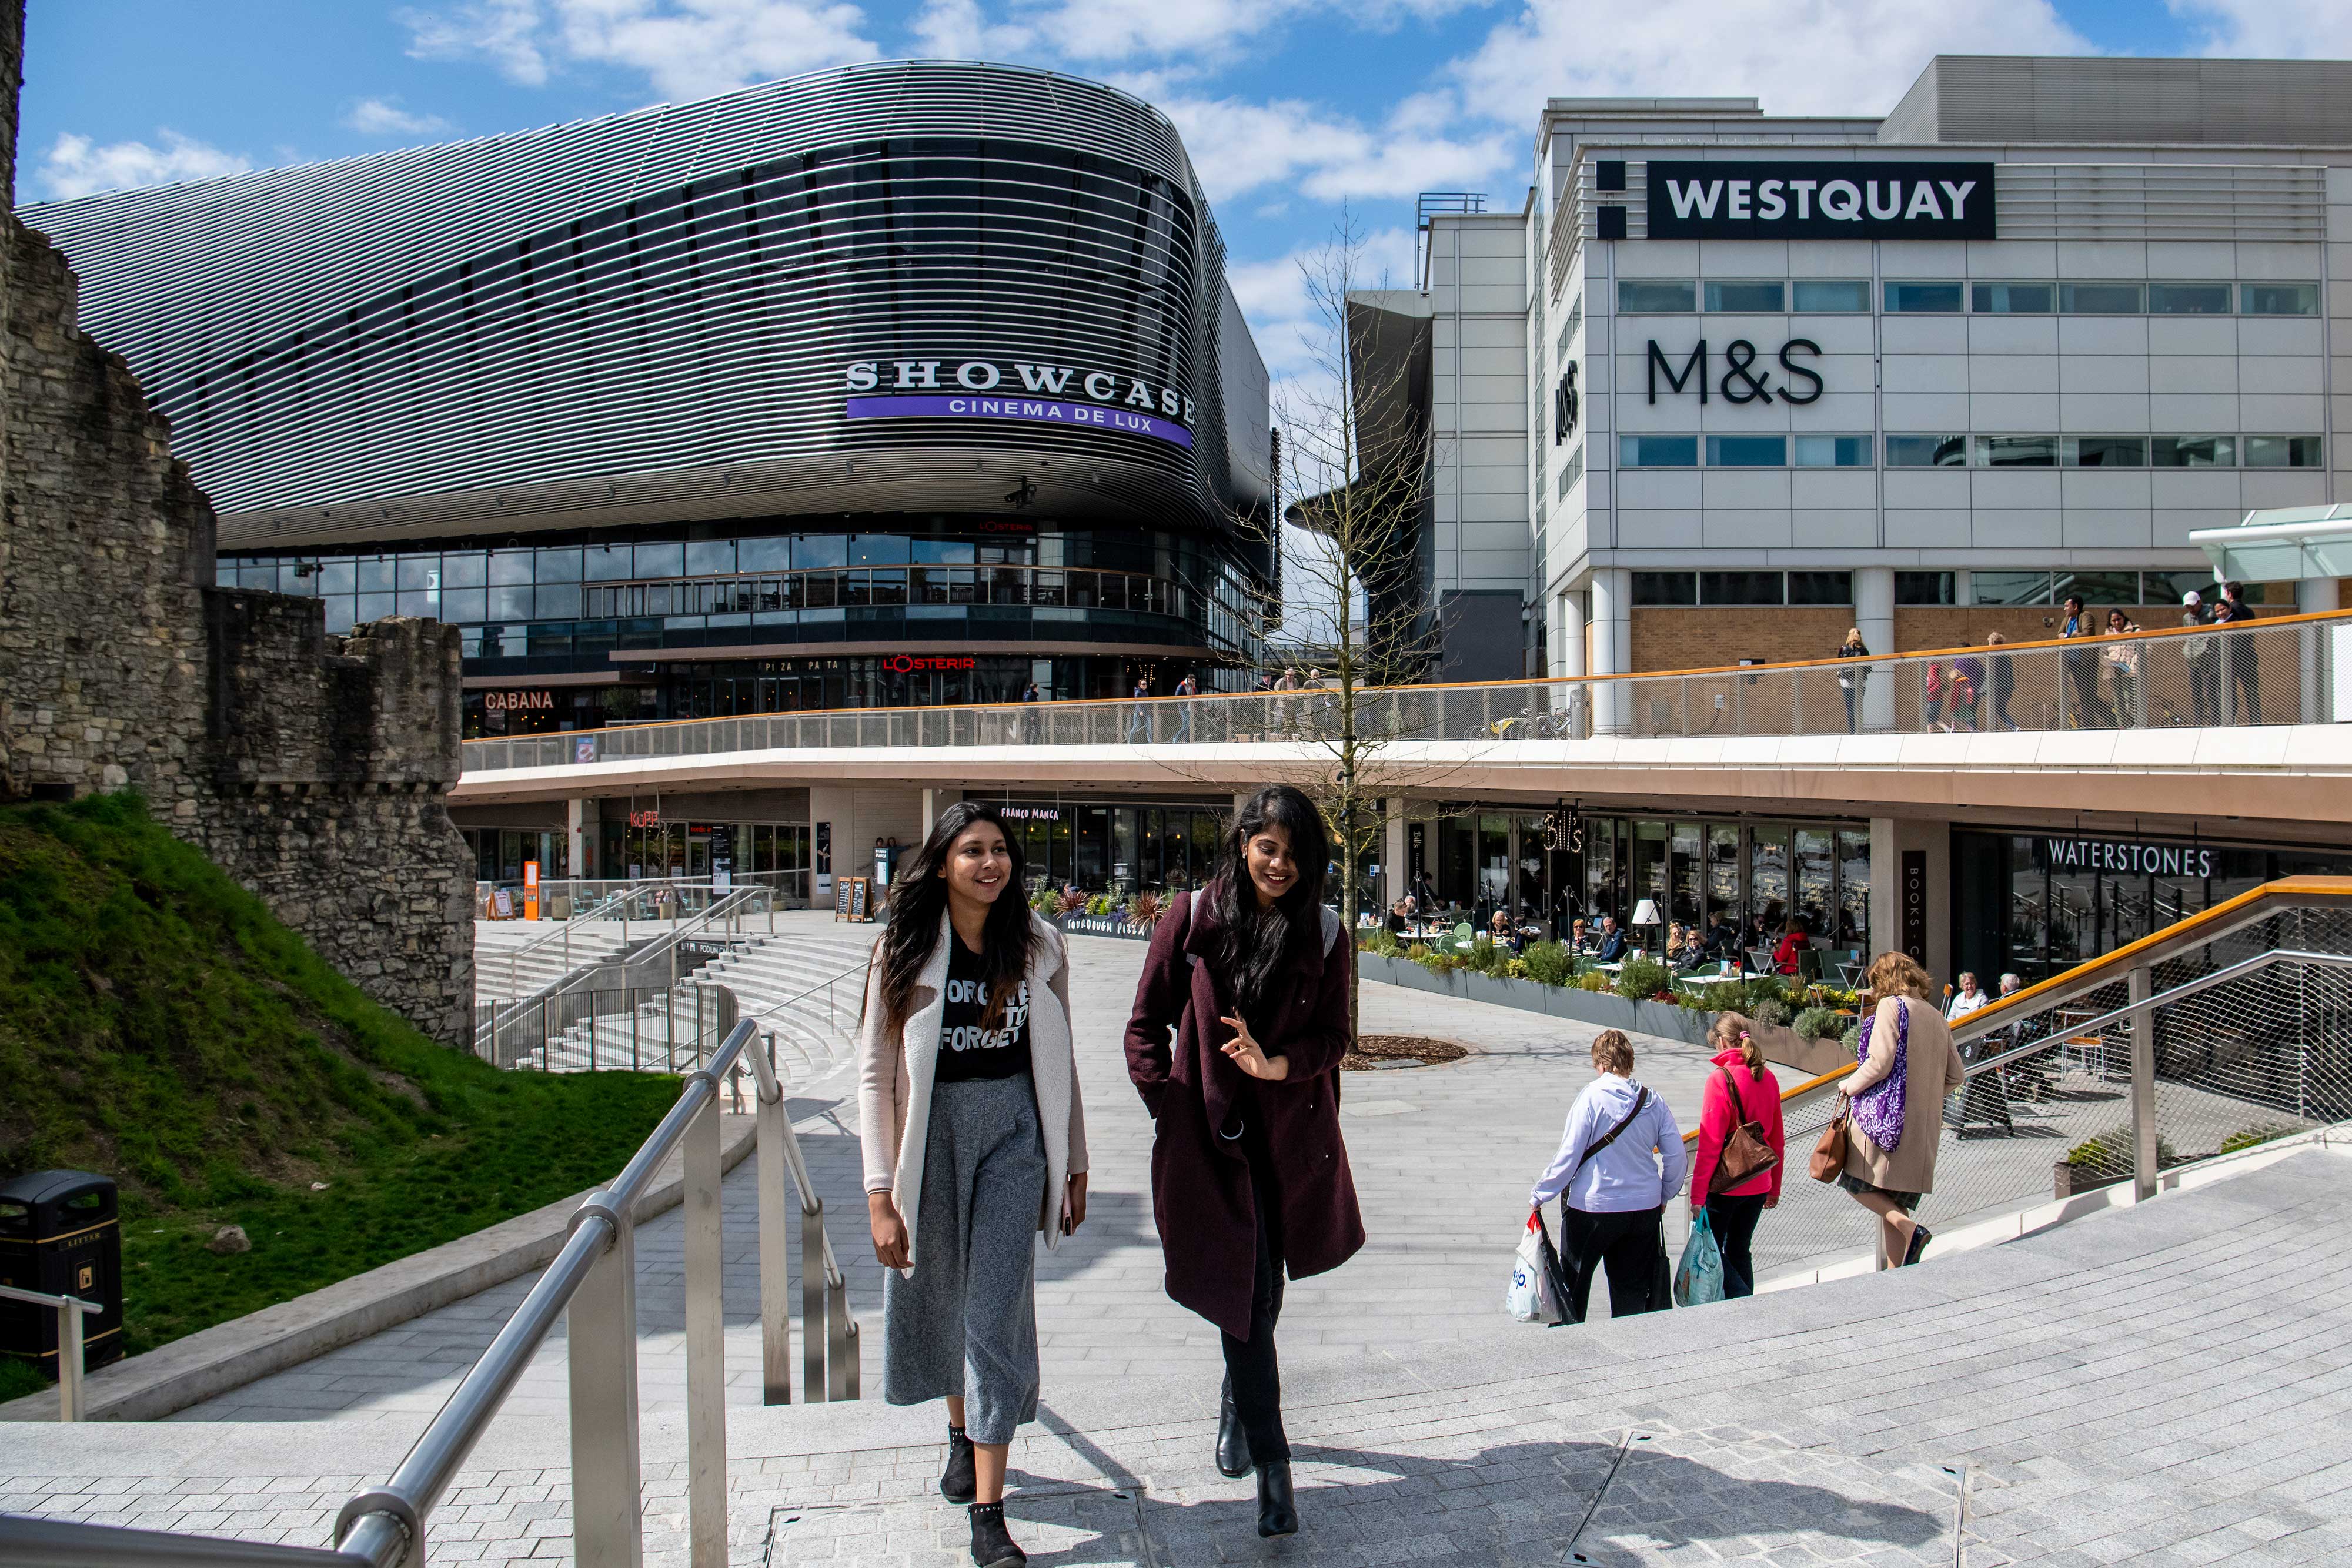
x=594, y=1279
x=2286, y=670
x=70, y=1311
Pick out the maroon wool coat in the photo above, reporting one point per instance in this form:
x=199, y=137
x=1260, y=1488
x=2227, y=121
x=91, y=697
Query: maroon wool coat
x=1201, y=1185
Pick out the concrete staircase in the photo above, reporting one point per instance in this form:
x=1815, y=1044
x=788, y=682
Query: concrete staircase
x=501, y=971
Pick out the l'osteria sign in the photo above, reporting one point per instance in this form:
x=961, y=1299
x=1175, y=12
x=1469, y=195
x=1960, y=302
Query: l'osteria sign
x=1820, y=199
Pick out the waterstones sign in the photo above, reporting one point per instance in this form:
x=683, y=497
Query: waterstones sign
x=1787, y=199
x=1027, y=393
x=2129, y=857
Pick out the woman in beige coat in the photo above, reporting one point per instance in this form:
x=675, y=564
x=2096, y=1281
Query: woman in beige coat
x=1896, y=1093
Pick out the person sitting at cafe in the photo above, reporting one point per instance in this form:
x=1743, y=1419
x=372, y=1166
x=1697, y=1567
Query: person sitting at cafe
x=1400, y=916
x=1967, y=999
x=1611, y=946
x=1502, y=929
x=1580, y=939
x=1794, y=940
x=1722, y=940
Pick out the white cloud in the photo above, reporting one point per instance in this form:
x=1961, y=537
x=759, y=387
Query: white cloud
x=1238, y=147
x=2268, y=29
x=75, y=166
x=1822, y=56
x=686, y=48
x=385, y=117
x=960, y=30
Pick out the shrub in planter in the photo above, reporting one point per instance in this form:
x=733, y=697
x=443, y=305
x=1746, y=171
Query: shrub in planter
x=1547, y=963
x=1070, y=900
x=1642, y=978
x=1381, y=942
x=1818, y=1023
x=1417, y=952
x=1851, y=1039
x=1771, y=1009
x=1442, y=964
x=2254, y=1137
x=1596, y=981
x=1145, y=908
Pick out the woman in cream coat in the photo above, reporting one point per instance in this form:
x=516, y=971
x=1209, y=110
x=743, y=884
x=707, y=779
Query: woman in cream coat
x=1908, y=1064
x=966, y=1041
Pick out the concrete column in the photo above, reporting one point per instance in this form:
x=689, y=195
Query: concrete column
x=1393, y=871
x=931, y=809
x=1873, y=614
x=1612, y=613
x=2315, y=596
x=1568, y=634
x=576, y=827
x=1930, y=900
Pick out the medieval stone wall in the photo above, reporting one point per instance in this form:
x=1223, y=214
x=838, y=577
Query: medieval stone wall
x=312, y=768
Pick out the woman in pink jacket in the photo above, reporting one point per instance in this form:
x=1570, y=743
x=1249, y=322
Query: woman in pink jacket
x=1740, y=1088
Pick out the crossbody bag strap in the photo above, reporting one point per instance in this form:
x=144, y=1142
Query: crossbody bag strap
x=1639, y=1101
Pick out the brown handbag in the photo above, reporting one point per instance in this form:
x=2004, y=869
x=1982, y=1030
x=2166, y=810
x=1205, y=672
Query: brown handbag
x=1828, y=1163
x=1745, y=1152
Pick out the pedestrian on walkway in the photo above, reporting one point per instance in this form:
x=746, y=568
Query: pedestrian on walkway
x=2004, y=682
x=1908, y=1063
x=1620, y=1163
x=2204, y=678
x=2244, y=691
x=2079, y=670
x=965, y=1040
x=1138, y=726
x=1186, y=688
x=1249, y=1173
x=1741, y=1091
x=1850, y=681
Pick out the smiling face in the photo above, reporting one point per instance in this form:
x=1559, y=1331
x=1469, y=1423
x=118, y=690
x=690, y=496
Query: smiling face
x=979, y=865
x=1272, y=870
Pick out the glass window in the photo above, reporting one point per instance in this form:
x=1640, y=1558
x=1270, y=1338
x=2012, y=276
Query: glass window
x=418, y=573
x=661, y=560
x=1927, y=451
x=510, y=604
x=2107, y=451
x=2282, y=451
x=468, y=568
x=774, y=553
x=1767, y=885
x=1649, y=883
x=1684, y=879
x=1747, y=452
x=1926, y=588
x=463, y=604
x=1655, y=296
x=710, y=557
x=1741, y=587
x=2097, y=587
x=820, y=550
x=2017, y=452
x=338, y=575
x=1831, y=293
x=943, y=552
x=1816, y=880
x=1922, y=298
x=878, y=549
x=2102, y=300
x=375, y=606
x=375, y=576
x=2167, y=587
x=510, y=567
x=1832, y=451
x=1658, y=452
x=2279, y=298
x=2193, y=451
x=2011, y=299
x=1766, y=297
x=1853, y=890
x=1821, y=588
x=606, y=562
x=2188, y=299
x=1722, y=871
x=2010, y=586
x=557, y=602
x=1666, y=588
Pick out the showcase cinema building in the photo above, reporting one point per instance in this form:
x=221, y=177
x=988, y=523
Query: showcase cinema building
x=1730, y=384
x=910, y=382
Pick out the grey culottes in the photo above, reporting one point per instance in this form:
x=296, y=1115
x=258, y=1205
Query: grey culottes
x=966, y=1322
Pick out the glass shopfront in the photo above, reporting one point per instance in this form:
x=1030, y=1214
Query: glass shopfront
x=2035, y=903
x=1554, y=868
x=1120, y=847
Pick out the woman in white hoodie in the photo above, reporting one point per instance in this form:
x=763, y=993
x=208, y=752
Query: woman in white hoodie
x=966, y=1041
x=1620, y=1163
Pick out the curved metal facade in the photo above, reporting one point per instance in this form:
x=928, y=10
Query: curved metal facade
x=655, y=316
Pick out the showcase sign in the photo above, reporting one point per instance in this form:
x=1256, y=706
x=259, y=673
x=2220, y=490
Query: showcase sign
x=2127, y=856
x=1011, y=390
x=1812, y=199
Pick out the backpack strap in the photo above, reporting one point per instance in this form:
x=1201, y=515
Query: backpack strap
x=1641, y=1103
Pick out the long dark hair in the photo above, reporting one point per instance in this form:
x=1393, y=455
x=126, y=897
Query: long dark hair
x=1252, y=943
x=920, y=896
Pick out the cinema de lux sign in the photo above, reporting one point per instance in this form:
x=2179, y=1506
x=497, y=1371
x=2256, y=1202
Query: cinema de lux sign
x=994, y=390
x=1795, y=199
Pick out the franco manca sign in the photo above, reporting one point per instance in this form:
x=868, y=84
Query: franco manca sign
x=1029, y=394
x=1792, y=199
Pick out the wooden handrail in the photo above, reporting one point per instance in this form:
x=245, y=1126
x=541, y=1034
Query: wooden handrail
x=1977, y=649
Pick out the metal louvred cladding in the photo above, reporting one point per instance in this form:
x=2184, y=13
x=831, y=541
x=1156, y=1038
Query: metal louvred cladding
x=650, y=315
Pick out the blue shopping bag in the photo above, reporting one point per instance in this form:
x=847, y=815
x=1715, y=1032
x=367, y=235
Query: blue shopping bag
x=1698, y=1280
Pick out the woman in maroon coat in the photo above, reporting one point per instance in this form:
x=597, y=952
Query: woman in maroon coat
x=1249, y=1172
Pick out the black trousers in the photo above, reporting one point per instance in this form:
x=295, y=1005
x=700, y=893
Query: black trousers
x=1733, y=1220
x=1628, y=1243
x=1253, y=1375
x=2245, y=684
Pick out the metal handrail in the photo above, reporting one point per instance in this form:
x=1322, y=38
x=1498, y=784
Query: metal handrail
x=70, y=1310
x=593, y=1279
x=728, y=908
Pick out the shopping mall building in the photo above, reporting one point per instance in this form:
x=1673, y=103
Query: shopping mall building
x=903, y=383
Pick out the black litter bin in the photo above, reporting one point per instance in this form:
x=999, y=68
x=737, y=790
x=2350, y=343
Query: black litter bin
x=60, y=1235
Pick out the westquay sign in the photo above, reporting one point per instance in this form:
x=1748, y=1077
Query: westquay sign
x=981, y=389
x=1801, y=199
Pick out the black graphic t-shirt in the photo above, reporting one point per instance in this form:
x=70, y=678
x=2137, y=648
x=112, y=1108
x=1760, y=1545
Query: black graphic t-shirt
x=966, y=1049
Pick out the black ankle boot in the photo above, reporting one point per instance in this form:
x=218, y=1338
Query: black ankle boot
x=957, y=1482
x=1277, y=1509
x=990, y=1546
x=1233, y=1443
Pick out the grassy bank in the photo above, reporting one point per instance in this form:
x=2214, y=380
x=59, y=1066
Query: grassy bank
x=156, y=1025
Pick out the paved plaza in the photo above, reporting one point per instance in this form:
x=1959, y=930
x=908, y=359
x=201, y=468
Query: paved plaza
x=2167, y=1384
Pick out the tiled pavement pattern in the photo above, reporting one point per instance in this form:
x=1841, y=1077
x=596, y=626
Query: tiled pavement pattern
x=2164, y=1384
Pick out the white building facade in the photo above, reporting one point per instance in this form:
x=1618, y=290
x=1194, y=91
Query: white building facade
x=1924, y=375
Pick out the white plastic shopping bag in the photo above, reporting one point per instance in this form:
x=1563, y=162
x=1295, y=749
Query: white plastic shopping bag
x=1531, y=1298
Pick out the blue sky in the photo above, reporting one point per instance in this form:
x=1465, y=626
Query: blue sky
x=1291, y=108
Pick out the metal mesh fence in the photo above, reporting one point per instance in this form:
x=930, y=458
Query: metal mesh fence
x=2251, y=1040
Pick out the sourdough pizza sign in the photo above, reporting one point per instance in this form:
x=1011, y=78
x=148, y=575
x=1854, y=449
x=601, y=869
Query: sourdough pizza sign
x=1815, y=199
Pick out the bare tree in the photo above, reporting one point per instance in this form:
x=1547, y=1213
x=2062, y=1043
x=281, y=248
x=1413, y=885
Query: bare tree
x=1356, y=452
